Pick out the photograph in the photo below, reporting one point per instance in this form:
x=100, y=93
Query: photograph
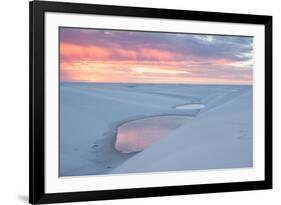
x=136, y=102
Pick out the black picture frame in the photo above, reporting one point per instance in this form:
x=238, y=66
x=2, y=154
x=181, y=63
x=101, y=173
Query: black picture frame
x=37, y=194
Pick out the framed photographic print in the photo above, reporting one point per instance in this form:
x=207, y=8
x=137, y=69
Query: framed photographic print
x=140, y=102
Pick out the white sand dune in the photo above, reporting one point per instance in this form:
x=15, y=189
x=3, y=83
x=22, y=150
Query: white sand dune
x=91, y=113
x=220, y=138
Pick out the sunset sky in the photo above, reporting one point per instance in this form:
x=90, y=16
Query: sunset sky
x=89, y=55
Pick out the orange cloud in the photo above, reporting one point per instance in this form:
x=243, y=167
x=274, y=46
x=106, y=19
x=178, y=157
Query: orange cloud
x=72, y=51
x=92, y=63
x=150, y=72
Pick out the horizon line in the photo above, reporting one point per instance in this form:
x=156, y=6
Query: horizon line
x=88, y=82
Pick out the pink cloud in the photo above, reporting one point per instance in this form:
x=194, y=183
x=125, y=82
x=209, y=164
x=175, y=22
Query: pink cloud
x=72, y=51
x=156, y=54
x=92, y=52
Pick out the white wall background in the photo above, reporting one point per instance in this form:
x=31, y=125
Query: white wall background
x=14, y=100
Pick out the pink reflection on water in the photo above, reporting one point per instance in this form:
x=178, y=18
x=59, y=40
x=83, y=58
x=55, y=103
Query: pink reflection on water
x=137, y=135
